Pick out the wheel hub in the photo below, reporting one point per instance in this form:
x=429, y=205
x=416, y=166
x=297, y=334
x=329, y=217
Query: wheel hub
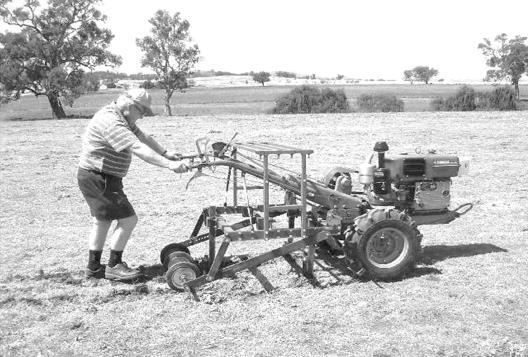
x=386, y=247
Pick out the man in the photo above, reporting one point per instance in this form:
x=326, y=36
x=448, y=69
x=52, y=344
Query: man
x=109, y=141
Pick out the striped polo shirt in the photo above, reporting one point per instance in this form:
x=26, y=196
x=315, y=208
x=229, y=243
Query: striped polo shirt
x=106, y=142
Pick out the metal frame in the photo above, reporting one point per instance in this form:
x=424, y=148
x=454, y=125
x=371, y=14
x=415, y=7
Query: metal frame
x=306, y=236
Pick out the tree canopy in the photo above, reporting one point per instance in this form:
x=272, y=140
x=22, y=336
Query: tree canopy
x=420, y=74
x=261, y=77
x=508, y=59
x=52, y=49
x=169, y=52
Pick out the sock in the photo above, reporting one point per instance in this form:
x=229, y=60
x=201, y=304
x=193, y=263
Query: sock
x=115, y=258
x=94, y=259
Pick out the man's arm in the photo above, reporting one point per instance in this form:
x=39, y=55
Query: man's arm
x=147, y=154
x=152, y=144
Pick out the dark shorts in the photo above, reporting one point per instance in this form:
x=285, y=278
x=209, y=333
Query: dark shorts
x=104, y=194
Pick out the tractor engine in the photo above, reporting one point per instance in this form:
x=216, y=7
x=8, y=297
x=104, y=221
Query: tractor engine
x=418, y=183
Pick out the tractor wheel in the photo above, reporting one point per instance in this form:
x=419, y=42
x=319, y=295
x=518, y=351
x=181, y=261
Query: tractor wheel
x=173, y=247
x=386, y=243
x=180, y=273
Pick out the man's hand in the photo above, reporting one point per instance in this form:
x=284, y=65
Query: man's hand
x=173, y=156
x=179, y=167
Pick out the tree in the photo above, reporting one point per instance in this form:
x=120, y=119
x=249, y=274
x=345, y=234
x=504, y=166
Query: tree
x=408, y=76
x=420, y=73
x=169, y=53
x=54, y=46
x=508, y=59
x=261, y=77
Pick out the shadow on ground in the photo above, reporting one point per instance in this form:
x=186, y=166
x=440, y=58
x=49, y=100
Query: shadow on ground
x=437, y=253
x=342, y=272
x=151, y=272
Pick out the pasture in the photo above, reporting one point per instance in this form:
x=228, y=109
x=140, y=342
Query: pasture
x=468, y=297
x=234, y=100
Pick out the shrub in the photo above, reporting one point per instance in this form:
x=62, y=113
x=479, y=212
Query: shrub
x=500, y=98
x=91, y=85
x=462, y=100
x=310, y=99
x=91, y=82
x=333, y=101
x=285, y=74
x=466, y=99
x=379, y=103
x=148, y=84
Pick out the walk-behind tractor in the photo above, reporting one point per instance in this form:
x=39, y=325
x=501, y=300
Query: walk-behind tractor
x=374, y=228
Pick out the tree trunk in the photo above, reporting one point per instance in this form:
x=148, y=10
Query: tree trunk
x=56, y=106
x=516, y=85
x=168, y=110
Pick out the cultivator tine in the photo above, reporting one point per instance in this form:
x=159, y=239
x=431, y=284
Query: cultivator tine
x=227, y=186
x=192, y=292
x=262, y=279
x=247, y=200
x=197, y=174
x=198, y=224
x=218, y=259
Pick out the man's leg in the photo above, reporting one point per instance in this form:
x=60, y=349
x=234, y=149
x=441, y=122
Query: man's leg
x=116, y=269
x=122, y=232
x=96, y=241
x=97, y=237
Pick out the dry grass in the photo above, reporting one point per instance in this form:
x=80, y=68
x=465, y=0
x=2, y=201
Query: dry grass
x=467, y=298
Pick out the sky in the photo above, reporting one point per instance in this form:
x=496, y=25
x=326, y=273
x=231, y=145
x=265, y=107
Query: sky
x=376, y=39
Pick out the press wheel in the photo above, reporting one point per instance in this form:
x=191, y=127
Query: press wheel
x=181, y=273
x=173, y=247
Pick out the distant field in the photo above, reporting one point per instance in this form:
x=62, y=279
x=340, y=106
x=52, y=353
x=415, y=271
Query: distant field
x=468, y=297
x=231, y=100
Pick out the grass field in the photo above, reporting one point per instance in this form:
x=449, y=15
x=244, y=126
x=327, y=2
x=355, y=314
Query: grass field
x=234, y=100
x=467, y=298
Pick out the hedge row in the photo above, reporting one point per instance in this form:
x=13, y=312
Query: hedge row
x=312, y=99
x=467, y=99
x=379, y=103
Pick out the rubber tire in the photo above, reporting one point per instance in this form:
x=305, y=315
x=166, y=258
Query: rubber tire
x=371, y=223
x=173, y=247
x=173, y=275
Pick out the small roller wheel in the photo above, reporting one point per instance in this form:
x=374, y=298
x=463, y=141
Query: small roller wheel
x=176, y=257
x=180, y=273
x=173, y=247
